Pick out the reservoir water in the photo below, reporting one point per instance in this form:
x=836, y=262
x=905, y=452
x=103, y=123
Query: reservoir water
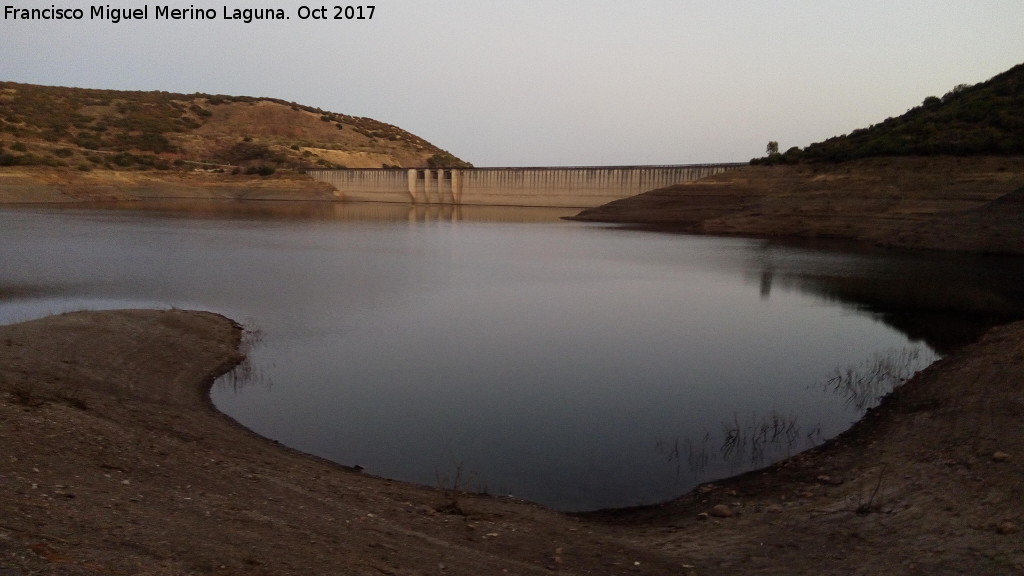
x=505, y=350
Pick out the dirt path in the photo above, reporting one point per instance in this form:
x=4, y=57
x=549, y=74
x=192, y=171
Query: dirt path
x=114, y=462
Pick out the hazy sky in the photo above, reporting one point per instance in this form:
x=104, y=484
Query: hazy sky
x=563, y=82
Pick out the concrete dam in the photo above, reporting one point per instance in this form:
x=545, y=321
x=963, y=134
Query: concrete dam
x=580, y=187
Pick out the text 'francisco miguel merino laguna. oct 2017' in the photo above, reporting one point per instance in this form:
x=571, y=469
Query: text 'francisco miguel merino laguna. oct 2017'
x=165, y=12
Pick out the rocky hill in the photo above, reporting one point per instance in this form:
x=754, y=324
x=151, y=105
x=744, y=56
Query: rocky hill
x=90, y=129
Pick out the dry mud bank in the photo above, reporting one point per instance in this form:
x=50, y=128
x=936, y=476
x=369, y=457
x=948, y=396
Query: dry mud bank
x=942, y=203
x=33, y=185
x=114, y=462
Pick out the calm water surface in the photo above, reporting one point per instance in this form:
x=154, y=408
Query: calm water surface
x=577, y=365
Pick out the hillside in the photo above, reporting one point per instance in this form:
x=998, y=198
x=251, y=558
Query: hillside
x=946, y=175
x=87, y=129
x=987, y=118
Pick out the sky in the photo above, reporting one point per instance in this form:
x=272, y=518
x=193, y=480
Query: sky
x=554, y=83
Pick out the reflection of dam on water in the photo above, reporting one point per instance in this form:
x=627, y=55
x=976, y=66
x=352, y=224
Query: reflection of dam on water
x=427, y=213
x=473, y=213
x=341, y=211
x=578, y=187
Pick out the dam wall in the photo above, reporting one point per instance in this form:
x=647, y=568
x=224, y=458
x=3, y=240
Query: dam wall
x=582, y=187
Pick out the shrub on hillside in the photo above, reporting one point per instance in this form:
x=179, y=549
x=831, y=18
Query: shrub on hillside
x=248, y=151
x=200, y=111
x=445, y=159
x=261, y=170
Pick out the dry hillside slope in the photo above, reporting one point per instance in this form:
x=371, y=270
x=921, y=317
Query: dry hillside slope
x=106, y=129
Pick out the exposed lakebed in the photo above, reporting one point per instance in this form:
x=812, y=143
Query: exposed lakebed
x=577, y=365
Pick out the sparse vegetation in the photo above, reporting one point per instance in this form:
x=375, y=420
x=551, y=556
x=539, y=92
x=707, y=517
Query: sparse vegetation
x=444, y=159
x=162, y=130
x=261, y=170
x=450, y=494
x=247, y=151
x=200, y=111
x=867, y=506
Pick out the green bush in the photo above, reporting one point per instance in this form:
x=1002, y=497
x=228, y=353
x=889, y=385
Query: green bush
x=445, y=159
x=88, y=141
x=150, y=141
x=200, y=111
x=248, y=151
x=186, y=123
x=261, y=170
